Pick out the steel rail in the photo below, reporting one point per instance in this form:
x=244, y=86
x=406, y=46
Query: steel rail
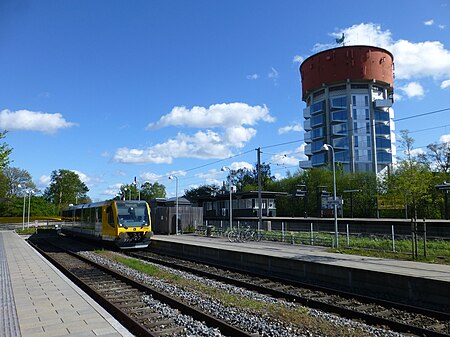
x=345, y=312
x=134, y=326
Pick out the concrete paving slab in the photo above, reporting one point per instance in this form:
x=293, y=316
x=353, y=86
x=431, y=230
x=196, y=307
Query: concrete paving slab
x=44, y=301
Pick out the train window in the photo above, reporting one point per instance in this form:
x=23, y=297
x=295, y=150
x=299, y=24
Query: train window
x=78, y=214
x=110, y=214
x=99, y=214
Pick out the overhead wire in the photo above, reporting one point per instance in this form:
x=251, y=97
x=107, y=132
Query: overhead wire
x=302, y=140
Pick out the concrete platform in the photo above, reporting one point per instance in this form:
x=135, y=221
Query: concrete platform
x=37, y=300
x=416, y=283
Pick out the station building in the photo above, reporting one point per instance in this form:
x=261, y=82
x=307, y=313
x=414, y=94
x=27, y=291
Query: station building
x=348, y=93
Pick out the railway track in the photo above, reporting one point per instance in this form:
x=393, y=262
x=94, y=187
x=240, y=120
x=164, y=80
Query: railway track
x=396, y=316
x=136, y=305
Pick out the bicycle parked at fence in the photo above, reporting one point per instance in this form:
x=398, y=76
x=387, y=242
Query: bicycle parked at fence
x=243, y=235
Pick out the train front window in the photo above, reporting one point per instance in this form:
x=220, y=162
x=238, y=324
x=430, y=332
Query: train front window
x=132, y=214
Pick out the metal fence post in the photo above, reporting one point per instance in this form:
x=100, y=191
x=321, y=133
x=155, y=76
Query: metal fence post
x=282, y=231
x=348, y=236
x=312, y=234
x=393, y=238
x=424, y=238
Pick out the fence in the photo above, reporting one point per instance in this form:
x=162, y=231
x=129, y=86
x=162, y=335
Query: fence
x=410, y=240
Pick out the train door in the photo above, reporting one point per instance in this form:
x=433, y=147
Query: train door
x=109, y=223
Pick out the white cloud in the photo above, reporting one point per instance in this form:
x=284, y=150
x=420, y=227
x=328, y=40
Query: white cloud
x=429, y=22
x=241, y=165
x=398, y=97
x=298, y=59
x=32, y=121
x=413, y=89
x=412, y=60
x=274, y=75
x=445, y=138
x=296, y=127
x=238, y=136
x=218, y=115
x=88, y=180
x=204, y=144
x=252, y=77
x=441, y=26
x=416, y=152
x=121, y=173
x=290, y=158
x=112, y=190
x=445, y=84
x=150, y=176
x=211, y=174
x=43, y=182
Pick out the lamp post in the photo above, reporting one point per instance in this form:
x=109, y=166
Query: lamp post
x=226, y=168
x=327, y=147
x=23, y=213
x=29, y=204
x=176, y=195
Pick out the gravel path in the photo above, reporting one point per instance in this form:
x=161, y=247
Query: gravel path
x=264, y=326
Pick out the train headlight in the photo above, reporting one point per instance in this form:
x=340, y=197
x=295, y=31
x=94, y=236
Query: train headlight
x=120, y=225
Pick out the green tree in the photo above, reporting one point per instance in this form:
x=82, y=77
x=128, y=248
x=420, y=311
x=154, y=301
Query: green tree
x=5, y=151
x=65, y=188
x=202, y=191
x=247, y=180
x=411, y=179
x=437, y=157
x=17, y=180
x=150, y=191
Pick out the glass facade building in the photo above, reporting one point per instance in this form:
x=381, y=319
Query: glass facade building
x=349, y=94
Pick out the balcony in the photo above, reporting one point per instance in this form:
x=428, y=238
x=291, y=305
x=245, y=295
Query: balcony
x=305, y=164
x=382, y=103
x=308, y=151
x=307, y=125
x=307, y=137
x=307, y=112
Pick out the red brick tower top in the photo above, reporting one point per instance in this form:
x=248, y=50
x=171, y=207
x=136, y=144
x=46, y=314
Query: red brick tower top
x=354, y=63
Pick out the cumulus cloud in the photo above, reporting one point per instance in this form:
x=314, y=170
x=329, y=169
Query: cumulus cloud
x=112, y=190
x=238, y=136
x=289, y=158
x=413, y=60
x=445, y=84
x=43, y=182
x=202, y=145
x=237, y=165
x=416, y=152
x=32, y=121
x=298, y=59
x=412, y=89
x=214, y=116
x=445, y=138
x=154, y=177
x=233, y=122
x=429, y=22
x=296, y=127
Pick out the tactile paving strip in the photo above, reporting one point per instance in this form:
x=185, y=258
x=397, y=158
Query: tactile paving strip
x=9, y=323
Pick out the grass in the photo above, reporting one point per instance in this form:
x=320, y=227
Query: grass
x=18, y=220
x=296, y=316
x=438, y=251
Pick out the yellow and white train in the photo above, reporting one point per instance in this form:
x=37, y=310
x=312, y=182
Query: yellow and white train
x=124, y=223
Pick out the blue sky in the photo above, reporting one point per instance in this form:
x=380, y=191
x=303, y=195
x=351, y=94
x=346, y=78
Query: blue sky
x=118, y=89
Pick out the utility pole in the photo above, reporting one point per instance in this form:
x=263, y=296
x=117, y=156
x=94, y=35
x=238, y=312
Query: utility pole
x=258, y=168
